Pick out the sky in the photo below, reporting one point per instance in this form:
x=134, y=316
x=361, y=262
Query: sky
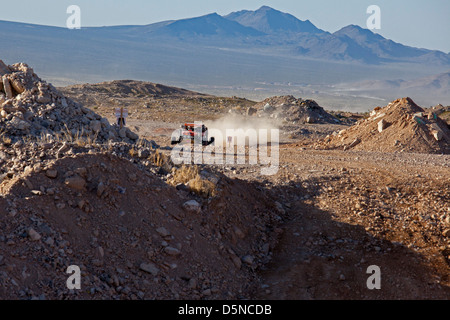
x=418, y=23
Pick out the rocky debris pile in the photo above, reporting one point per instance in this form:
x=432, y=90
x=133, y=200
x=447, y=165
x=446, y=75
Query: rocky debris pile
x=20, y=157
x=132, y=235
x=294, y=110
x=438, y=109
x=401, y=126
x=441, y=111
x=31, y=107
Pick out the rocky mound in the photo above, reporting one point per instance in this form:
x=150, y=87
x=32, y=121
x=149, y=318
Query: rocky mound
x=401, y=126
x=33, y=108
x=108, y=210
x=294, y=110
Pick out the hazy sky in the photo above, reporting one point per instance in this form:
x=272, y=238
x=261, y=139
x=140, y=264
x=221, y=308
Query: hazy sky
x=419, y=23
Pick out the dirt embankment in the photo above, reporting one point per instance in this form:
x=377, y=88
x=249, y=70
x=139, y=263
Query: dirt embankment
x=133, y=235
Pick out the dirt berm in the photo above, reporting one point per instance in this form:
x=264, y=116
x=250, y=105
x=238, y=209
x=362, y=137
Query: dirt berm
x=133, y=235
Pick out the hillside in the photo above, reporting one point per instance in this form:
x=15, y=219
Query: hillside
x=130, y=88
x=152, y=101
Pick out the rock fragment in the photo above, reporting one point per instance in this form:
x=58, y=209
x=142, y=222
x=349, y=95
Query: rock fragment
x=382, y=124
x=51, y=173
x=33, y=234
x=75, y=182
x=149, y=268
x=172, y=251
x=7, y=87
x=192, y=206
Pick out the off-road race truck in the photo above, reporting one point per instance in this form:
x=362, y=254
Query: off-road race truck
x=192, y=132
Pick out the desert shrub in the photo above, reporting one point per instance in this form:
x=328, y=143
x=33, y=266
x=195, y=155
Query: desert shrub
x=202, y=187
x=190, y=176
x=184, y=174
x=133, y=152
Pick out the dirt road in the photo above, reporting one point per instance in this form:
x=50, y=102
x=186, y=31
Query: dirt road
x=342, y=212
x=348, y=211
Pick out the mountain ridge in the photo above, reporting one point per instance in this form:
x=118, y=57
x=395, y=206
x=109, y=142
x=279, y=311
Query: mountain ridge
x=218, y=55
x=269, y=27
x=270, y=21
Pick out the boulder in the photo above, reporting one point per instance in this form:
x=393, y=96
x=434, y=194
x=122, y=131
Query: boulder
x=123, y=133
x=95, y=126
x=149, y=268
x=437, y=134
x=268, y=108
x=251, y=111
x=17, y=85
x=34, y=235
x=144, y=153
x=382, y=124
x=192, y=206
x=131, y=135
x=7, y=87
x=51, y=173
x=75, y=182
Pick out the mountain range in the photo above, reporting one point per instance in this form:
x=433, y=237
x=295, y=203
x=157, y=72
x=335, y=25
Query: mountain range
x=263, y=51
x=269, y=27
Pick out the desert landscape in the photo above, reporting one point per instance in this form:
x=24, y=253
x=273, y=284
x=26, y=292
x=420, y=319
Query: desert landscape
x=352, y=190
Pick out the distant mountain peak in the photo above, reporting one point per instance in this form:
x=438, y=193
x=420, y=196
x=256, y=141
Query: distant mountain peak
x=266, y=9
x=214, y=14
x=352, y=29
x=271, y=21
x=208, y=25
x=352, y=26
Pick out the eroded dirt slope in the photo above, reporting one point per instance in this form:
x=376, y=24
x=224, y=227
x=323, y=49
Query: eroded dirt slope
x=132, y=235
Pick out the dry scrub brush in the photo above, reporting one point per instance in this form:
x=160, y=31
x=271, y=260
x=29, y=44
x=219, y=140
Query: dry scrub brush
x=190, y=176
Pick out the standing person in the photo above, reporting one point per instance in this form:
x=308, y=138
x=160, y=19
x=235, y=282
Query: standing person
x=121, y=114
x=121, y=120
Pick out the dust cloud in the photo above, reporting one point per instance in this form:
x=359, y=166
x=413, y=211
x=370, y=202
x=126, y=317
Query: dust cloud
x=252, y=129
